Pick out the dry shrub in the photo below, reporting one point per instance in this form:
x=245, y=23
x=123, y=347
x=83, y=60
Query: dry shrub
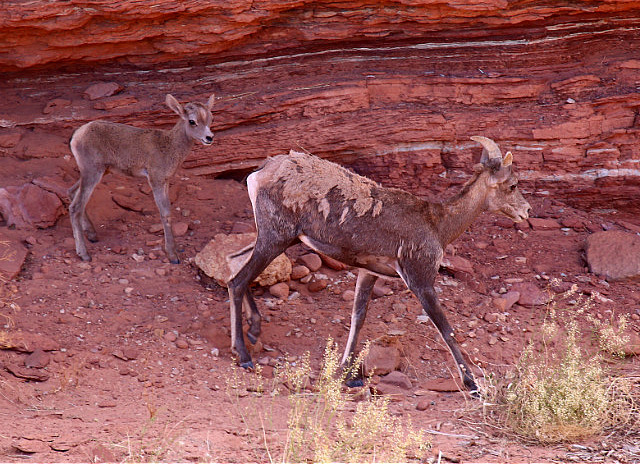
x=610, y=335
x=323, y=427
x=557, y=391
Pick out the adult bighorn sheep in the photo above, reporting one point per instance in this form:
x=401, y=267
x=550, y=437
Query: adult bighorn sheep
x=100, y=146
x=385, y=232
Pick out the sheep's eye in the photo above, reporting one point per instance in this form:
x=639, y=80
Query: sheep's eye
x=512, y=187
x=192, y=122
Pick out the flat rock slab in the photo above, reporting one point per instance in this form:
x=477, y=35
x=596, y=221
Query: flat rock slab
x=442, y=385
x=614, y=254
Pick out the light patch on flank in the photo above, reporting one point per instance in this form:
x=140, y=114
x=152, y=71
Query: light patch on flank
x=307, y=177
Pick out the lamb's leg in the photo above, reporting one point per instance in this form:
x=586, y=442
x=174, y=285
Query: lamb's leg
x=364, y=287
x=160, y=191
x=83, y=190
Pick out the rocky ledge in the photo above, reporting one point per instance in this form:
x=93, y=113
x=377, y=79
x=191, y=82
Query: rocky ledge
x=392, y=89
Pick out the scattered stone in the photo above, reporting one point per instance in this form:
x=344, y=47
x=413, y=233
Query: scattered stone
x=55, y=104
x=311, y=260
x=442, y=385
x=333, y=263
x=544, y=224
x=132, y=203
x=30, y=446
x=398, y=379
x=29, y=205
x=530, y=294
x=298, y=272
x=101, y=90
x=614, y=254
x=156, y=228
x=26, y=373
x=506, y=301
x=279, y=290
x=182, y=343
x=381, y=360
x=424, y=404
x=212, y=260
x=381, y=289
x=317, y=285
x=457, y=264
x=242, y=228
x=573, y=223
x=180, y=228
x=12, y=257
x=348, y=295
x=170, y=337
x=37, y=360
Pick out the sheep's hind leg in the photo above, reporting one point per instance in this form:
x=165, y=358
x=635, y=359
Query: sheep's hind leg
x=364, y=287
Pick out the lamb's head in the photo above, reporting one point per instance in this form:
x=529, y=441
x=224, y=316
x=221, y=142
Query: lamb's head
x=503, y=195
x=196, y=116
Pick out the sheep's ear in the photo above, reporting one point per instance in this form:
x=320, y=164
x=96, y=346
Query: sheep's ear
x=508, y=160
x=211, y=100
x=174, y=105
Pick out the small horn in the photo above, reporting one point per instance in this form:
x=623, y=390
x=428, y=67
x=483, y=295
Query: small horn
x=493, y=151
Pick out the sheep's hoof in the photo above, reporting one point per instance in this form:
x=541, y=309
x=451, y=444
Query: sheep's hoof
x=85, y=258
x=252, y=338
x=92, y=237
x=174, y=261
x=248, y=365
x=354, y=383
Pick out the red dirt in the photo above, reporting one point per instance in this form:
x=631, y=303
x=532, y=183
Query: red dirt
x=170, y=403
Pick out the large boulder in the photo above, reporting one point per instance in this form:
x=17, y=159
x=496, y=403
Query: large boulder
x=29, y=205
x=215, y=262
x=614, y=254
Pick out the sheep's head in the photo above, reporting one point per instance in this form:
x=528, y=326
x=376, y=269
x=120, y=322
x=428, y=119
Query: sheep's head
x=503, y=195
x=196, y=116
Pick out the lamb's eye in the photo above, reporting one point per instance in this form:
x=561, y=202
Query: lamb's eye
x=513, y=187
x=192, y=122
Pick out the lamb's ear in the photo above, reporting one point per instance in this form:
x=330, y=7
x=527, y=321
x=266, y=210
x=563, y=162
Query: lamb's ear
x=175, y=105
x=508, y=160
x=211, y=100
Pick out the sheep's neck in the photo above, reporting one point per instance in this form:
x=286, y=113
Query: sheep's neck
x=461, y=210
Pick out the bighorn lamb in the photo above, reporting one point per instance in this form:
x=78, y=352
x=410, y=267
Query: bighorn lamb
x=100, y=146
x=384, y=232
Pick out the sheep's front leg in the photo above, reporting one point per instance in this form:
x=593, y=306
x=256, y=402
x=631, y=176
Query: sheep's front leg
x=420, y=282
x=161, y=196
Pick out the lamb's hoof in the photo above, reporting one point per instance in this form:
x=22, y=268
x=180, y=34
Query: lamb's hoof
x=174, y=261
x=86, y=258
x=248, y=365
x=93, y=238
x=252, y=338
x=354, y=383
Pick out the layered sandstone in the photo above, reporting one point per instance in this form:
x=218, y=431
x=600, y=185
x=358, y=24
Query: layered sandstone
x=393, y=89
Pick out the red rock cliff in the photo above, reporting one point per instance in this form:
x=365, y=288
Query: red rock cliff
x=393, y=89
